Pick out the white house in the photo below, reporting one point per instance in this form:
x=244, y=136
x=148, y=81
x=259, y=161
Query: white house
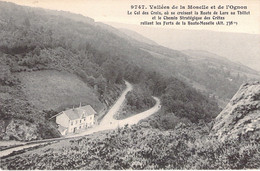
x=73, y=120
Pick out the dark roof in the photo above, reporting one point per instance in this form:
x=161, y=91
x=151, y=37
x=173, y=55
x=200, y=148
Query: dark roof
x=77, y=113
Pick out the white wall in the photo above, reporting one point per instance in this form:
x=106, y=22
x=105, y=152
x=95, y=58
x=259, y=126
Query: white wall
x=81, y=123
x=62, y=120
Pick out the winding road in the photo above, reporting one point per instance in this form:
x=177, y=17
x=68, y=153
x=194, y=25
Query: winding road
x=107, y=123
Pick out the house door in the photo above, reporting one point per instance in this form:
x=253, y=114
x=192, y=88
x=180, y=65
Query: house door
x=74, y=130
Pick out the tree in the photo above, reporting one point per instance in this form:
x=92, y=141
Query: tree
x=101, y=84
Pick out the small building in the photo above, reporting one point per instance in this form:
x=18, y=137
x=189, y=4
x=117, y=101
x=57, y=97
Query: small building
x=76, y=119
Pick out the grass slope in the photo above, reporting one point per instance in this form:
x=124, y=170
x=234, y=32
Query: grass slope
x=57, y=90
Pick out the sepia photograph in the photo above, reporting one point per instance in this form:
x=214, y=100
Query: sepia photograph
x=129, y=85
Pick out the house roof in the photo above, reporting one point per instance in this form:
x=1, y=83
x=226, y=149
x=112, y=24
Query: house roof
x=77, y=113
x=72, y=114
x=89, y=110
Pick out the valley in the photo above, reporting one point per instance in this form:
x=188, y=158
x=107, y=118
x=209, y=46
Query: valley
x=150, y=106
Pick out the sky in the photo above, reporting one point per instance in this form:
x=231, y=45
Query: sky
x=116, y=11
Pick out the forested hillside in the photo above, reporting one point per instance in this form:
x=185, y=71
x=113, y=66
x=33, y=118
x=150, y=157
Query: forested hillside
x=210, y=73
x=36, y=40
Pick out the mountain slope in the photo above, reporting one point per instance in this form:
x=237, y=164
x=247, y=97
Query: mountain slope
x=98, y=59
x=140, y=147
x=241, y=117
x=219, y=61
x=238, y=47
x=209, y=73
x=204, y=71
x=137, y=36
x=35, y=40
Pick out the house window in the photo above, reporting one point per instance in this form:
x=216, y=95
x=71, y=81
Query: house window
x=84, y=120
x=79, y=127
x=80, y=121
x=71, y=122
